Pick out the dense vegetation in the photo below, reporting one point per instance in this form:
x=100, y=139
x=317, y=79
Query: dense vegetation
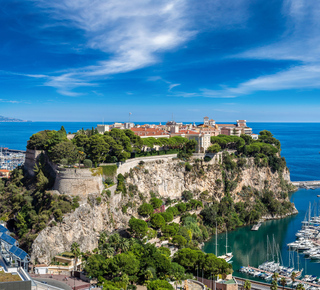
x=116, y=145
x=120, y=262
x=28, y=211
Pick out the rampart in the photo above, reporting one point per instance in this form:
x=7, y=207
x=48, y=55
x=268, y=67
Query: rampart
x=131, y=163
x=77, y=181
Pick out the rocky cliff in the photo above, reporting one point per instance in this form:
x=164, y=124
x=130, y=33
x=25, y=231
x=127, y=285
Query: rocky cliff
x=168, y=178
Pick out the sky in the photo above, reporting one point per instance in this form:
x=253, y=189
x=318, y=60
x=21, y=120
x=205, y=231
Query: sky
x=94, y=60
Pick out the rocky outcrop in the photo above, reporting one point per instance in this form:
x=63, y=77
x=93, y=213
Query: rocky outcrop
x=82, y=226
x=169, y=178
x=166, y=177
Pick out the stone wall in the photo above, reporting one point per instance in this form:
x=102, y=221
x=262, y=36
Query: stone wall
x=131, y=163
x=30, y=161
x=77, y=181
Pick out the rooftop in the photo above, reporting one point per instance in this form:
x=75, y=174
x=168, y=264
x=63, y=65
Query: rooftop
x=9, y=277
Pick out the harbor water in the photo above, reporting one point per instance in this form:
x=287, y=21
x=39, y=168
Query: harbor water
x=250, y=247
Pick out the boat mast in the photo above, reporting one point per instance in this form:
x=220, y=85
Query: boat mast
x=227, y=242
x=267, y=248
x=289, y=257
x=216, y=241
x=298, y=260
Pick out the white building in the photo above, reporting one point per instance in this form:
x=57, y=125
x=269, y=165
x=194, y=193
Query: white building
x=103, y=128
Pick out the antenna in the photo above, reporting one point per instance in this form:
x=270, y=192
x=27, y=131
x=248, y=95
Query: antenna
x=129, y=116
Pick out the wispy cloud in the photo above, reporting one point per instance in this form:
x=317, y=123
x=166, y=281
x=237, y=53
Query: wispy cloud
x=205, y=93
x=132, y=33
x=9, y=101
x=300, y=42
x=158, y=78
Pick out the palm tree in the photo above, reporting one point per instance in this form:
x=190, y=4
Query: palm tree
x=300, y=287
x=114, y=240
x=293, y=276
x=247, y=285
x=108, y=251
x=75, y=249
x=283, y=282
x=274, y=285
x=275, y=276
x=178, y=279
x=124, y=245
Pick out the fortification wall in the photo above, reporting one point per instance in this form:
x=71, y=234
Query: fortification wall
x=131, y=163
x=75, y=181
x=30, y=160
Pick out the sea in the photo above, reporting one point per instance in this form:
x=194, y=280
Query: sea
x=300, y=145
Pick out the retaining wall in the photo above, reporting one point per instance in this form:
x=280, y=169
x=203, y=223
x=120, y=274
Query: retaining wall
x=131, y=163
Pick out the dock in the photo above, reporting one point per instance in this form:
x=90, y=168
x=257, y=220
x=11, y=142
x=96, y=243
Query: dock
x=306, y=184
x=281, y=276
x=256, y=227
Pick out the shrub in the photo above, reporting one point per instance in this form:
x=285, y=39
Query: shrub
x=145, y=209
x=188, y=167
x=168, y=216
x=207, y=158
x=187, y=195
x=87, y=163
x=98, y=199
x=63, y=161
x=156, y=202
x=179, y=240
x=157, y=221
x=108, y=193
x=109, y=181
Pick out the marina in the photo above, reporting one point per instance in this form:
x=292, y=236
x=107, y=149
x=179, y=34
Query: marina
x=10, y=159
x=250, y=247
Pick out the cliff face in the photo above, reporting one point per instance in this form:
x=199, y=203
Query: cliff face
x=168, y=178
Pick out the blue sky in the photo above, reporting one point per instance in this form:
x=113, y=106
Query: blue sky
x=88, y=60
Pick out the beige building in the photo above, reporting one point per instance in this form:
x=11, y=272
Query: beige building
x=103, y=128
x=62, y=265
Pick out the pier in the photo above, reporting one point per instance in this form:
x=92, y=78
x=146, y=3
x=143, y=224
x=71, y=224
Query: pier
x=306, y=184
x=281, y=276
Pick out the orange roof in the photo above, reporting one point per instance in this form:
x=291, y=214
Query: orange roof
x=188, y=132
x=226, y=125
x=4, y=170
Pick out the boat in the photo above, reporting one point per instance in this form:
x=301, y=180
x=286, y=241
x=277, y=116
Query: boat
x=228, y=256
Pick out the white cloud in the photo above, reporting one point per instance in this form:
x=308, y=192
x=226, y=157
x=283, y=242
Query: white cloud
x=132, y=33
x=300, y=42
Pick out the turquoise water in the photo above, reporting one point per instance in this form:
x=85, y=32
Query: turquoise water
x=251, y=246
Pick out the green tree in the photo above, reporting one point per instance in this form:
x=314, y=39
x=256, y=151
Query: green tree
x=157, y=221
x=214, y=148
x=138, y=227
x=127, y=263
x=64, y=150
x=159, y=285
x=274, y=285
x=145, y=209
x=247, y=285
x=283, y=282
x=75, y=250
x=98, y=149
x=156, y=202
x=179, y=240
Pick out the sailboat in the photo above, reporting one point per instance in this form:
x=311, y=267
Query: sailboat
x=228, y=256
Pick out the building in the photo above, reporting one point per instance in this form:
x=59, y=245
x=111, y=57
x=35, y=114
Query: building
x=203, y=140
x=150, y=132
x=103, y=128
x=4, y=173
x=63, y=264
x=128, y=125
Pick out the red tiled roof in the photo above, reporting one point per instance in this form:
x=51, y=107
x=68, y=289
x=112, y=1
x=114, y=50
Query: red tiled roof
x=4, y=170
x=227, y=125
x=188, y=132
